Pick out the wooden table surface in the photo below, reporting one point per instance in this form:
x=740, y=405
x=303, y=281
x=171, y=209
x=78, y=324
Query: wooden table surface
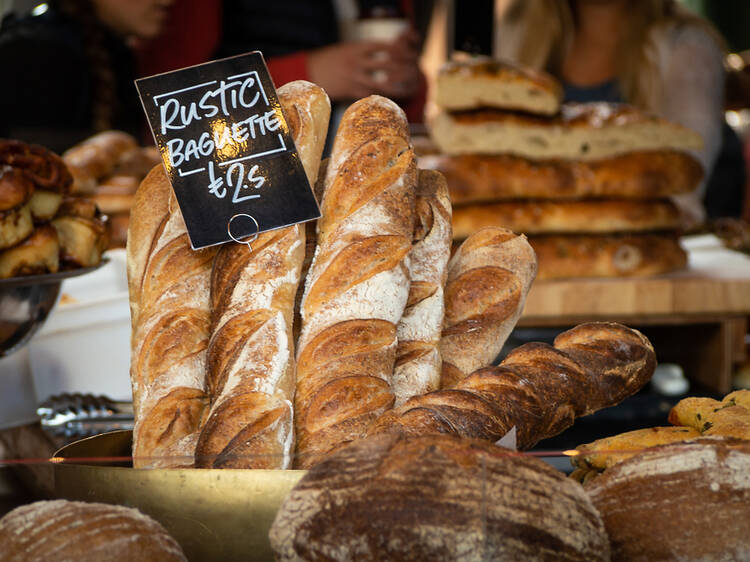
x=716, y=282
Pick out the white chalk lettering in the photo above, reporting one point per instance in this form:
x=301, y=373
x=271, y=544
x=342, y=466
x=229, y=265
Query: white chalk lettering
x=234, y=178
x=227, y=97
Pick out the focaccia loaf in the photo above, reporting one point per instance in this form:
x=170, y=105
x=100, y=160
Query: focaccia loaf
x=635, y=175
x=168, y=283
x=590, y=131
x=538, y=388
x=481, y=82
x=489, y=277
x=250, y=376
x=358, y=283
x=589, y=216
x=418, y=362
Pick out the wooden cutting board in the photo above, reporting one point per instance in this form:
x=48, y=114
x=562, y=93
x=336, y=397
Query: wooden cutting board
x=717, y=281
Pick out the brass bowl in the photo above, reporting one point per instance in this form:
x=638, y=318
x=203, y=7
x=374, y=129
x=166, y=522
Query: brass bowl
x=214, y=514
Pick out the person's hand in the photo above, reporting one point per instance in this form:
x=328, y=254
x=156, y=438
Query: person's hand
x=357, y=69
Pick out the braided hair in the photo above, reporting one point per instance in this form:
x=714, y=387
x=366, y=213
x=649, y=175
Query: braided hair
x=103, y=85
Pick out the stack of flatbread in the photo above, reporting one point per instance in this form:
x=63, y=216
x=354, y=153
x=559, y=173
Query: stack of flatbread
x=590, y=184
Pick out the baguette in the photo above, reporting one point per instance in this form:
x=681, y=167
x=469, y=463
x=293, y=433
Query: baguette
x=250, y=375
x=358, y=283
x=538, y=388
x=488, y=280
x=168, y=284
x=474, y=178
x=418, y=363
x=563, y=256
x=545, y=217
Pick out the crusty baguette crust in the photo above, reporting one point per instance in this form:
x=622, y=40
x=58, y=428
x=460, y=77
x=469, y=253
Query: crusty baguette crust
x=481, y=82
x=589, y=216
x=590, y=131
x=418, y=362
x=250, y=375
x=358, y=284
x=489, y=277
x=538, y=388
x=434, y=498
x=169, y=302
x=566, y=256
x=474, y=178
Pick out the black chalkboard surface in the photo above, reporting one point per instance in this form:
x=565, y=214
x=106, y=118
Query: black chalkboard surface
x=227, y=150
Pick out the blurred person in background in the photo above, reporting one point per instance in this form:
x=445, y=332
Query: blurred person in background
x=312, y=40
x=653, y=54
x=68, y=69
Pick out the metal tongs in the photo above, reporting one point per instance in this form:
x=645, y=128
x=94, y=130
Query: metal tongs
x=83, y=415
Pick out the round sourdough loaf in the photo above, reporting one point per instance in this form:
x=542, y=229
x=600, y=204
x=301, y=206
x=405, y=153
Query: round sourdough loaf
x=684, y=501
x=436, y=498
x=61, y=530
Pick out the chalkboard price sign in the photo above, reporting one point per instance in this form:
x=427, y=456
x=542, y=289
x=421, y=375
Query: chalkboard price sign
x=227, y=150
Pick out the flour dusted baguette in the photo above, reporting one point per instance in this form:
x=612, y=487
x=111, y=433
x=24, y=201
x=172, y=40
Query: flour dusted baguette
x=358, y=284
x=488, y=280
x=250, y=375
x=538, y=388
x=169, y=292
x=418, y=362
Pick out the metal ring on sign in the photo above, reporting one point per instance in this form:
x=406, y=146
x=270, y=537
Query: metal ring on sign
x=245, y=242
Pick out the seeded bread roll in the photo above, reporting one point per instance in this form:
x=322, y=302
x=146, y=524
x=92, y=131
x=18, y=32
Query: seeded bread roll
x=60, y=530
x=436, y=497
x=684, y=501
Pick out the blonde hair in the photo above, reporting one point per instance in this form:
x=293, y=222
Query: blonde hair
x=548, y=26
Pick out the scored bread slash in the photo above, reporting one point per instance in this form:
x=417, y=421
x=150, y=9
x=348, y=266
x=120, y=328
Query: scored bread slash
x=250, y=367
x=358, y=284
x=418, y=361
x=489, y=277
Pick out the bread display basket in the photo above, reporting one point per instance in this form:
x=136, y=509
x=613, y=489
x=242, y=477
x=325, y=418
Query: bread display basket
x=215, y=514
